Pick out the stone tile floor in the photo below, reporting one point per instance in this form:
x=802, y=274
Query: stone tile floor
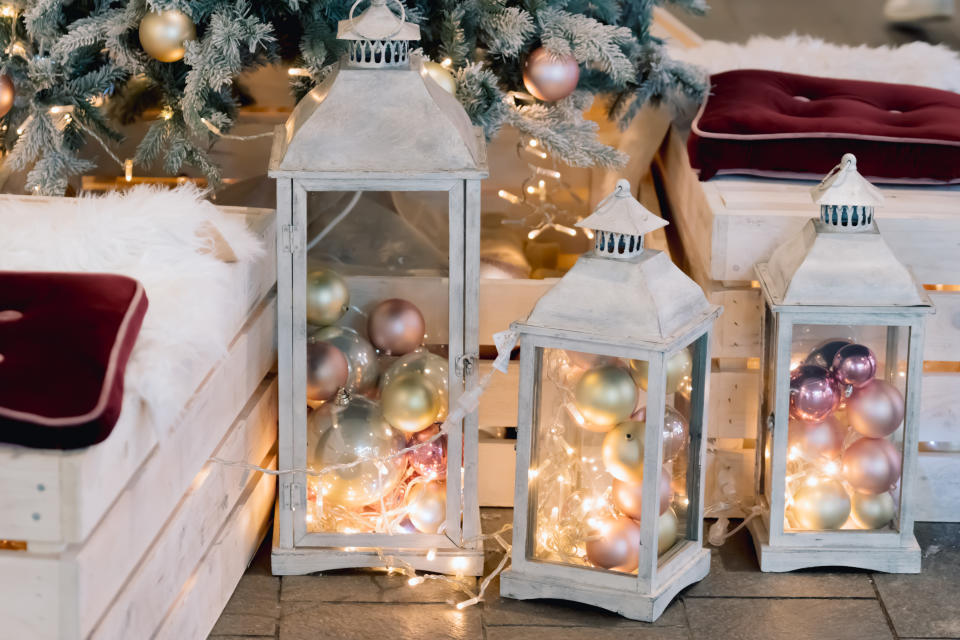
x=735, y=601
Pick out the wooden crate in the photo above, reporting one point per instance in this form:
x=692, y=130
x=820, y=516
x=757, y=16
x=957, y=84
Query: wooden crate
x=728, y=224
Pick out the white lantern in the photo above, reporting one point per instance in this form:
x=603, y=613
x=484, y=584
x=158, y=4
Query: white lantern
x=619, y=345
x=841, y=368
x=378, y=175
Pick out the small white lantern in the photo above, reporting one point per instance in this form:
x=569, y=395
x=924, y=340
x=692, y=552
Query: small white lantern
x=620, y=344
x=840, y=391
x=347, y=163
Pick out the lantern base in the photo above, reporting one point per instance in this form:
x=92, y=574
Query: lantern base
x=629, y=604
x=294, y=562
x=780, y=558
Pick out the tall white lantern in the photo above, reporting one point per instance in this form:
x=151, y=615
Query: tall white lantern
x=360, y=165
x=841, y=367
x=620, y=344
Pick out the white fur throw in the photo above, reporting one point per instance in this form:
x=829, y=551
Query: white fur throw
x=151, y=235
x=917, y=63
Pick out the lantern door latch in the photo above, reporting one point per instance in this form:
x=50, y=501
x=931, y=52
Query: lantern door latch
x=293, y=497
x=466, y=364
x=289, y=238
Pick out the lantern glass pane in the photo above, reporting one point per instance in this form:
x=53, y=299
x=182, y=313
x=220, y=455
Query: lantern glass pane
x=378, y=374
x=768, y=371
x=845, y=433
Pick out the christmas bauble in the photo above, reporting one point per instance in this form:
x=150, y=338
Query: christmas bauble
x=7, y=94
x=327, y=297
x=821, y=503
x=668, y=530
x=429, y=366
x=854, y=365
x=622, y=451
x=428, y=459
x=813, y=393
x=628, y=496
x=605, y=395
x=814, y=440
x=873, y=511
x=361, y=356
x=675, y=430
x=822, y=355
x=338, y=435
x=426, y=504
x=549, y=76
x=875, y=409
x=871, y=465
x=679, y=366
x=327, y=371
x=441, y=75
x=586, y=360
x=163, y=34
x=615, y=544
x=410, y=402
x=396, y=327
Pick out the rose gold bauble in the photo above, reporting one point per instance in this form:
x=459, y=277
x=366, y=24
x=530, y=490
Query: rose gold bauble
x=410, y=402
x=873, y=511
x=427, y=506
x=327, y=297
x=679, y=366
x=871, y=465
x=875, y=409
x=430, y=458
x=605, y=395
x=548, y=76
x=675, y=430
x=817, y=439
x=628, y=496
x=327, y=371
x=622, y=451
x=615, y=544
x=821, y=504
x=163, y=34
x=396, y=327
x=7, y=94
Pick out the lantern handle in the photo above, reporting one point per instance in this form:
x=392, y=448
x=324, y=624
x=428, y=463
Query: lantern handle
x=403, y=19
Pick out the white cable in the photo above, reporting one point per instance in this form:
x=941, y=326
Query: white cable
x=340, y=216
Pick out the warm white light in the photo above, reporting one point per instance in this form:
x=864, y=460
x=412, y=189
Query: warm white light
x=813, y=481
x=415, y=581
x=446, y=63
x=831, y=468
x=794, y=453
x=460, y=563
x=532, y=474
x=7, y=11
x=509, y=197
x=533, y=142
x=297, y=71
x=166, y=113
x=128, y=169
x=432, y=555
x=588, y=233
x=534, y=233
x=531, y=189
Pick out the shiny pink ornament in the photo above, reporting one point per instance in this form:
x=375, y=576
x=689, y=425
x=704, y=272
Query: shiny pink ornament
x=396, y=327
x=875, y=409
x=429, y=459
x=817, y=439
x=871, y=465
x=675, y=430
x=854, y=365
x=327, y=371
x=628, y=497
x=549, y=76
x=823, y=354
x=615, y=544
x=813, y=393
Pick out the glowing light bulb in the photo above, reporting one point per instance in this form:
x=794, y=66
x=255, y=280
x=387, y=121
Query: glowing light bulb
x=831, y=468
x=532, y=473
x=432, y=555
x=794, y=453
x=446, y=63
x=813, y=481
x=533, y=142
x=415, y=581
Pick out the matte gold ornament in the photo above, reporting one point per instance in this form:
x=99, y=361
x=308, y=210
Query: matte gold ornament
x=615, y=544
x=622, y=451
x=441, y=75
x=360, y=354
x=8, y=94
x=338, y=435
x=163, y=34
x=429, y=365
x=605, y=396
x=821, y=503
x=873, y=511
x=550, y=77
x=327, y=297
x=679, y=367
x=427, y=506
x=668, y=531
x=410, y=402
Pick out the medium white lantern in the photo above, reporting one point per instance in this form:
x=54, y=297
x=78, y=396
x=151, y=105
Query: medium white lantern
x=619, y=345
x=841, y=368
x=362, y=156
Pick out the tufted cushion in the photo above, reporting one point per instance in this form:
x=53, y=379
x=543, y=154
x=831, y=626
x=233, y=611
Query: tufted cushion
x=64, y=343
x=788, y=125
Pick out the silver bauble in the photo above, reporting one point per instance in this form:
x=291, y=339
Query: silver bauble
x=361, y=356
x=427, y=506
x=873, y=511
x=679, y=366
x=605, y=396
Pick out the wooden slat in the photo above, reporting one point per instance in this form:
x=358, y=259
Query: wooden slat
x=937, y=494
x=943, y=328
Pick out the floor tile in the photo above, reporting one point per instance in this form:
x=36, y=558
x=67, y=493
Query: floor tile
x=586, y=633
x=367, y=586
x=786, y=619
x=256, y=593
x=925, y=605
x=239, y=624
x=734, y=571
x=307, y=621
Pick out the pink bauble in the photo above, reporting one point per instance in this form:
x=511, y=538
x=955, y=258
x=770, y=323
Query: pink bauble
x=327, y=371
x=871, y=465
x=854, y=365
x=628, y=497
x=822, y=439
x=428, y=459
x=823, y=354
x=813, y=393
x=875, y=409
x=396, y=327
x=549, y=76
x=615, y=544
x=675, y=430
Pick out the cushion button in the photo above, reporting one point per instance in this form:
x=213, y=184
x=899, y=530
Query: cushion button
x=9, y=315
x=895, y=111
x=1, y=357
x=801, y=98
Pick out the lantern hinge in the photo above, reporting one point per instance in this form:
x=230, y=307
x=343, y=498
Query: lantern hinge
x=294, y=497
x=289, y=238
x=466, y=365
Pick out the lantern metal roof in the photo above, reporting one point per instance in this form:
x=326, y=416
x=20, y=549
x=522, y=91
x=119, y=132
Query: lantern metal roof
x=845, y=186
x=377, y=22
x=644, y=299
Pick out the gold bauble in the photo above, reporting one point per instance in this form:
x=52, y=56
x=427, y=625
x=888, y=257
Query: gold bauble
x=821, y=503
x=427, y=506
x=668, y=531
x=7, y=94
x=327, y=297
x=429, y=365
x=410, y=402
x=441, y=75
x=163, y=34
x=605, y=396
x=679, y=366
x=622, y=451
x=873, y=511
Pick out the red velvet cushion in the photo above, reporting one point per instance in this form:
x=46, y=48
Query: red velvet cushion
x=64, y=343
x=783, y=124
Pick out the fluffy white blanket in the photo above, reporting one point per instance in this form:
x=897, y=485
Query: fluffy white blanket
x=151, y=235
x=917, y=63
